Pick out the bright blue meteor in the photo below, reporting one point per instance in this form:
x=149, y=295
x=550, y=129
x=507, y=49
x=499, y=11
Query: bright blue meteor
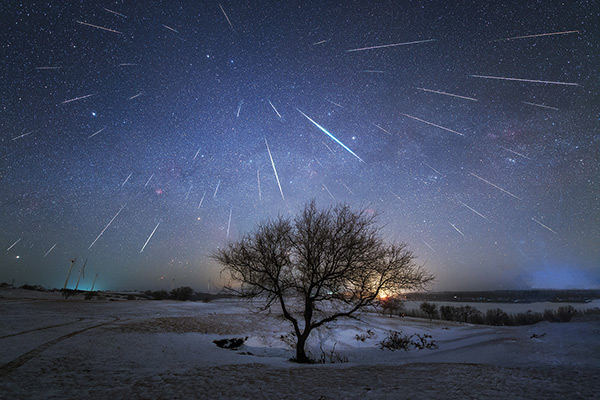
x=331, y=136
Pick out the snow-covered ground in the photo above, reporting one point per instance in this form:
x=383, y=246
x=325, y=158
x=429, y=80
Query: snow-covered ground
x=65, y=349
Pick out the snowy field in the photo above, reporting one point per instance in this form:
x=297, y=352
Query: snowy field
x=53, y=348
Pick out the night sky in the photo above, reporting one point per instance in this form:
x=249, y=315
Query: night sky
x=124, y=121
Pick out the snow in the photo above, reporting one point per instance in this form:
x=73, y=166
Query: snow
x=66, y=349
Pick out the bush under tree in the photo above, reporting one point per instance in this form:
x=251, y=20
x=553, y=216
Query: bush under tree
x=318, y=267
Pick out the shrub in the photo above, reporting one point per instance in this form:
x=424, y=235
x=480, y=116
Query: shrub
x=183, y=293
x=398, y=341
x=496, y=317
x=391, y=306
x=565, y=313
x=430, y=309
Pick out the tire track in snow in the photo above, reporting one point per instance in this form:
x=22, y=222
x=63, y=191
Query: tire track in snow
x=41, y=329
x=9, y=367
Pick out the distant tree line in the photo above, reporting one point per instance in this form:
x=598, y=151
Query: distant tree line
x=471, y=315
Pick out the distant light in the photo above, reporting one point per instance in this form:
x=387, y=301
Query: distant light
x=18, y=257
x=93, y=114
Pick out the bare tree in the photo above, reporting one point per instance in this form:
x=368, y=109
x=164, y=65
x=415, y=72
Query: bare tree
x=321, y=266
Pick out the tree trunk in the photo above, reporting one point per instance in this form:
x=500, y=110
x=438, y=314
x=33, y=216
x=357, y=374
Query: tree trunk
x=300, y=353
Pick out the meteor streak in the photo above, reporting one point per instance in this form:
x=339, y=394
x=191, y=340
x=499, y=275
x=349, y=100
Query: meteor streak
x=51, y=248
x=475, y=211
x=197, y=153
x=217, y=188
x=116, y=13
x=514, y=152
x=329, y=192
x=106, y=227
x=328, y=148
x=126, y=179
x=457, y=230
x=169, y=28
x=336, y=104
x=149, y=237
x=99, y=27
x=321, y=42
x=148, y=181
x=331, y=136
x=347, y=188
x=226, y=17
x=258, y=181
x=427, y=244
x=435, y=170
x=537, y=35
x=432, y=124
x=395, y=195
x=447, y=94
x=188, y=192
x=133, y=97
x=229, y=222
x=524, y=80
x=388, y=132
x=42, y=68
x=538, y=222
x=541, y=105
x=496, y=186
x=13, y=245
x=277, y=112
x=23, y=135
x=202, y=199
x=274, y=170
x=76, y=98
x=238, y=111
x=95, y=133
x=391, y=45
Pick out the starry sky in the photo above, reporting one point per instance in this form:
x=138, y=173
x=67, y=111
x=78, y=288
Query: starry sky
x=471, y=127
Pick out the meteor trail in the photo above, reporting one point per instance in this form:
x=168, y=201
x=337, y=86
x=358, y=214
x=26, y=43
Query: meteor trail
x=277, y=112
x=229, y=222
x=538, y=222
x=149, y=237
x=238, y=111
x=126, y=179
x=321, y=42
x=395, y=195
x=427, y=244
x=148, y=181
x=496, y=186
x=169, y=28
x=106, y=227
x=514, y=152
x=95, y=133
x=447, y=94
x=23, y=135
x=126, y=64
x=188, y=192
x=13, y=245
x=274, y=169
x=336, y=104
x=42, y=68
x=347, y=188
x=198, y=152
x=217, y=188
x=391, y=45
x=76, y=98
x=331, y=136
x=457, y=230
x=388, y=132
x=435, y=170
x=328, y=148
x=133, y=97
x=475, y=211
x=372, y=71
x=541, y=105
x=228, y=21
x=258, y=181
x=116, y=13
x=51, y=248
x=432, y=124
x=329, y=192
x=537, y=35
x=524, y=80
x=99, y=27
x=202, y=199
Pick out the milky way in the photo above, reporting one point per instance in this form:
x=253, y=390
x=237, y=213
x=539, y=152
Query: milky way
x=472, y=128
